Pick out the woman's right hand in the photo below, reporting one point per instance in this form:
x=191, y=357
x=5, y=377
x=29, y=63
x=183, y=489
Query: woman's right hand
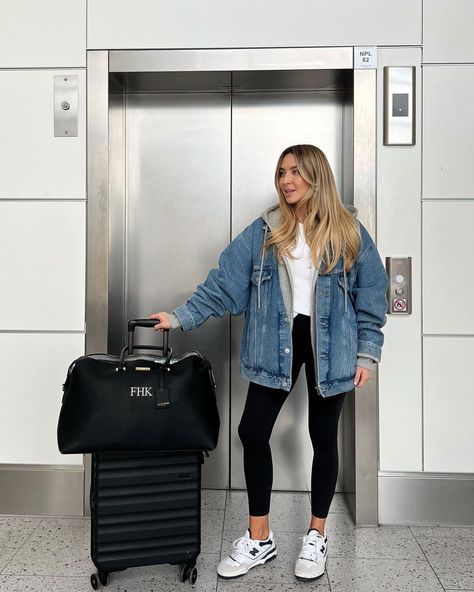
x=164, y=321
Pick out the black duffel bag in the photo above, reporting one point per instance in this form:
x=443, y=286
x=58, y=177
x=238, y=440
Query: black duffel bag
x=139, y=402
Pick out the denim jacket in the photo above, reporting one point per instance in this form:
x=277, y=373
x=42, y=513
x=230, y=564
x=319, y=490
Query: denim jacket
x=348, y=309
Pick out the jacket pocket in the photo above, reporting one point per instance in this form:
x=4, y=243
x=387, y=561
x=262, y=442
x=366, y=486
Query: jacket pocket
x=261, y=283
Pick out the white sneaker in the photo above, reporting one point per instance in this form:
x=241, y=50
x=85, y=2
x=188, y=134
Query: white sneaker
x=247, y=553
x=311, y=561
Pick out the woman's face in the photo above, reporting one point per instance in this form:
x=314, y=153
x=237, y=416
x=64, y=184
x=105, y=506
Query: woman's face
x=292, y=185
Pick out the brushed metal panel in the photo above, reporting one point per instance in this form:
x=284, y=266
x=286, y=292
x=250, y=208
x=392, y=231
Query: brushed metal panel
x=425, y=499
x=177, y=217
x=97, y=214
x=270, y=122
x=66, y=98
x=183, y=60
x=45, y=490
x=399, y=106
x=447, y=118
x=365, y=410
x=97, y=198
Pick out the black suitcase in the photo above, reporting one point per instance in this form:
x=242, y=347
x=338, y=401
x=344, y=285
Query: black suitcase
x=145, y=510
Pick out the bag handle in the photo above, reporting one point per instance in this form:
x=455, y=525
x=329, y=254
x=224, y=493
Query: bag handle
x=132, y=323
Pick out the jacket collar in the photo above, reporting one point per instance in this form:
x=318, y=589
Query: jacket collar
x=272, y=215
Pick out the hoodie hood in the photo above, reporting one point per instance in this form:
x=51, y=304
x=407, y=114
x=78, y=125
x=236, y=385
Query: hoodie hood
x=272, y=218
x=272, y=215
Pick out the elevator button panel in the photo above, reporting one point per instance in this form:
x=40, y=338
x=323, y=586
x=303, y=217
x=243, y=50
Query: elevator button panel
x=399, y=289
x=399, y=106
x=66, y=105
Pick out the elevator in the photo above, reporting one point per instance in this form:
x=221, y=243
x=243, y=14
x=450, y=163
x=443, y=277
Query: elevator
x=182, y=149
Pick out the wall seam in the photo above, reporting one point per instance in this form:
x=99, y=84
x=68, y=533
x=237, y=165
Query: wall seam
x=422, y=268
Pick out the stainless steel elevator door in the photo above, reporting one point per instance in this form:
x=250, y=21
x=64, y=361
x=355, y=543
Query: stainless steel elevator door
x=263, y=124
x=177, y=223
x=180, y=210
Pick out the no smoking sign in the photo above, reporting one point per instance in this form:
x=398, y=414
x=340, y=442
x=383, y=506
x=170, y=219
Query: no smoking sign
x=399, y=305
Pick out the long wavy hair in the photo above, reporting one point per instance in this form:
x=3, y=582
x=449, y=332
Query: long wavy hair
x=330, y=229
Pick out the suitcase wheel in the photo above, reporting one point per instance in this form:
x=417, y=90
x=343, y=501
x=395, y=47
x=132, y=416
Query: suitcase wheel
x=103, y=577
x=188, y=572
x=193, y=576
x=99, y=578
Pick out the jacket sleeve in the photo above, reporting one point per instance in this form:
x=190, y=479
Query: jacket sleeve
x=370, y=304
x=226, y=288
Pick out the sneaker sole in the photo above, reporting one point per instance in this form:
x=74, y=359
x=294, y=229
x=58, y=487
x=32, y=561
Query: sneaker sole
x=267, y=558
x=301, y=579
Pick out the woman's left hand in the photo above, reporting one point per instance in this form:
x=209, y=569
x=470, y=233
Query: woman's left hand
x=362, y=376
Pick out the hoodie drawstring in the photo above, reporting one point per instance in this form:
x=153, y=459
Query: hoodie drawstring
x=345, y=278
x=261, y=268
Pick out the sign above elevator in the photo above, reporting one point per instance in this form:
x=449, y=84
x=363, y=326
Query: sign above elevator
x=365, y=58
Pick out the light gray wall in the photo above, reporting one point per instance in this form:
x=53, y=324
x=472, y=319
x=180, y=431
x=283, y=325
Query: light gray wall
x=47, y=184
x=120, y=24
x=42, y=251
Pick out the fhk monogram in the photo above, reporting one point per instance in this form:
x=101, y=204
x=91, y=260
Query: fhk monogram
x=141, y=391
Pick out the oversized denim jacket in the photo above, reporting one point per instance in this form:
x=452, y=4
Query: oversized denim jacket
x=348, y=309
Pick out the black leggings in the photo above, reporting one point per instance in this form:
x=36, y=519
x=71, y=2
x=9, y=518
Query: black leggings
x=261, y=410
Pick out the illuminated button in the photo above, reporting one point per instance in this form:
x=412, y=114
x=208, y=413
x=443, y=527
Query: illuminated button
x=287, y=350
x=399, y=278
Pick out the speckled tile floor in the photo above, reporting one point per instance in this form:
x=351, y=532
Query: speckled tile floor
x=39, y=554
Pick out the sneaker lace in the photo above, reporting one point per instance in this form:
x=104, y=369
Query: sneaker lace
x=241, y=545
x=310, y=548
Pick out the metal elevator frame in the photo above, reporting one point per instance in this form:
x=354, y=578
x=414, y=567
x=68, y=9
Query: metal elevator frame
x=360, y=414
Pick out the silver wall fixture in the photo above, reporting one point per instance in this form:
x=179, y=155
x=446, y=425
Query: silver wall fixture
x=399, y=289
x=66, y=102
x=399, y=106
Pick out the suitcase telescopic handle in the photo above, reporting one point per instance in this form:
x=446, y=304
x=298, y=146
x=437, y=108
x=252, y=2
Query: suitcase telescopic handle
x=132, y=323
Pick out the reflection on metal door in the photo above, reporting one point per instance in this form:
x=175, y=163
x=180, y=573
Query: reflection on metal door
x=263, y=124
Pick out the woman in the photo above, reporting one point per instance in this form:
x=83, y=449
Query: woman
x=313, y=288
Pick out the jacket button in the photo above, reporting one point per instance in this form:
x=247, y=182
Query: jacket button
x=287, y=320
x=287, y=350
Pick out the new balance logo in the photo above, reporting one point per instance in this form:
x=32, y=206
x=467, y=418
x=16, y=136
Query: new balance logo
x=253, y=552
x=141, y=391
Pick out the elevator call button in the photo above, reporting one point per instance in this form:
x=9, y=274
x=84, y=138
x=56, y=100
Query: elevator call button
x=399, y=290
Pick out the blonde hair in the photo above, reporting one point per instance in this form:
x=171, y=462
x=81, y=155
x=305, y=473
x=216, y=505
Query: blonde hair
x=329, y=228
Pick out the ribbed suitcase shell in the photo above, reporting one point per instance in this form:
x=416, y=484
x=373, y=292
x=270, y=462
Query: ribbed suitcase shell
x=145, y=509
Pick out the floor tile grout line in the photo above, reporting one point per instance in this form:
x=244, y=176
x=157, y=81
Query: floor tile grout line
x=2, y=571
x=425, y=556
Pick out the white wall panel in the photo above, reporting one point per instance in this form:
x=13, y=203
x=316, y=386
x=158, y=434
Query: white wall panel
x=448, y=281
x=31, y=393
x=447, y=31
x=398, y=235
x=50, y=33
x=120, y=24
x=448, y=404
x=33, y=163
x=448, y=141
x=42, y=265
